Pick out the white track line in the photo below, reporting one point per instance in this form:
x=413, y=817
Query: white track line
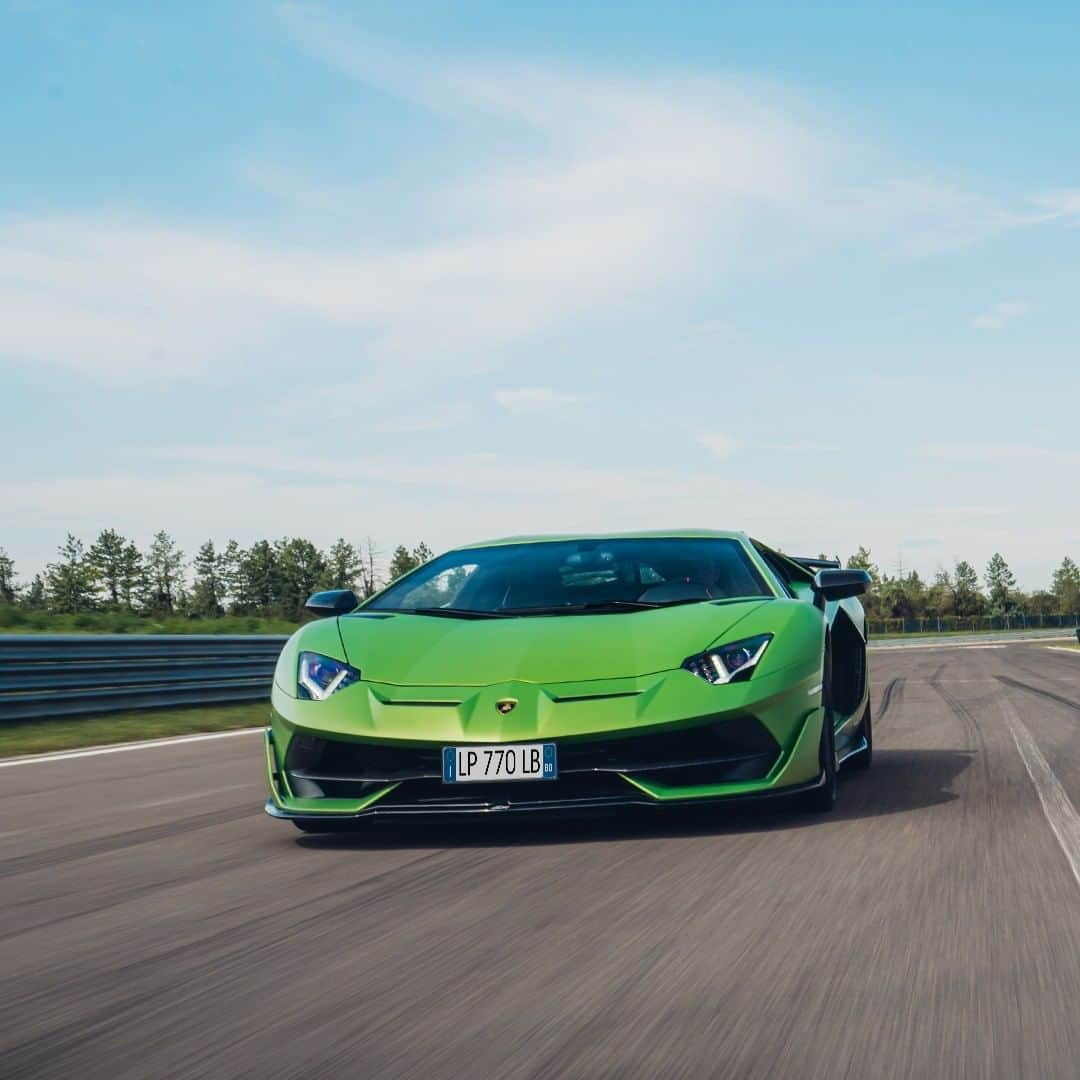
x=1064, y=648
x=1056, y=804
x=120, y=748
x=947, y=645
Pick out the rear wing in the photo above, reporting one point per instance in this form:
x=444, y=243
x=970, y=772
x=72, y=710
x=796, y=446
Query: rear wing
x=793, y=569
x=816, y=564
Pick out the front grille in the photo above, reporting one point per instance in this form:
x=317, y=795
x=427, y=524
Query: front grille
x=328, y=758
x=727, y=740
x=434, y=795
x=723, y=751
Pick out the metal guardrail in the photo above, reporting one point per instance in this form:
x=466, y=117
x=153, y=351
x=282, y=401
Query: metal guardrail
x=54, y=675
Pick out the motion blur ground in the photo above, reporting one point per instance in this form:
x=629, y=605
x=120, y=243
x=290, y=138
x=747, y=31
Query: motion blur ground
x=156, y=924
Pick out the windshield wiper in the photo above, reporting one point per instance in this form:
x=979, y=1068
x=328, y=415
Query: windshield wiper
x=598, y=607
x=684, y=600
x=454, y=613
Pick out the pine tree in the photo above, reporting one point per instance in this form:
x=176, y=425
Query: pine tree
x=69, y=582
x=344, y=565
x=1000, y=583
x=966, y=597
x=260, y=580
x=1066, y=586
x=133, y=586
x=207, y=592
x=34, y=598
x=861, y=560
x=164, y=574
x=302, y=570
x=106, y=558
x=401, y=562
x=8, y=592
x=231, y=572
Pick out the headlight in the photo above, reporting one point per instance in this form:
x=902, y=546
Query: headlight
x=320, y=676
x=734, y=662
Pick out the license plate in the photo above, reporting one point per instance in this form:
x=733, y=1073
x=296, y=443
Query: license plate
x=522, y=761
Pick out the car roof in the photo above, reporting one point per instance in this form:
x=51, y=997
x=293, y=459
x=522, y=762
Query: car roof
x=653, y=534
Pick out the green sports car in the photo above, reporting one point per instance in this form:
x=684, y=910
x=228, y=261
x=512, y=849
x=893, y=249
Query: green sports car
x=571, y=673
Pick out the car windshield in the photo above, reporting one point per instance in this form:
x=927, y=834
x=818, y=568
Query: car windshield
x=576, y=576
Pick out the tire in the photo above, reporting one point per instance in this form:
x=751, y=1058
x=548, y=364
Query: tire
x=861, y=761
x=822, y=799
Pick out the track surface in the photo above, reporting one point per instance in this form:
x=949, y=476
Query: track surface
x=156, y=924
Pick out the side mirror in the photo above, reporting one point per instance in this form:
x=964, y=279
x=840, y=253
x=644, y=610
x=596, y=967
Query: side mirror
x=840, y=584
x=331, y=602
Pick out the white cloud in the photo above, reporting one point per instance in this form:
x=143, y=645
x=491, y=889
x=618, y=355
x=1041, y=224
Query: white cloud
x=720, y=445
x=1063, y=203
x=580, y=194
x=533, y=399
x=998, y=455
x=911, y=217
x=724, y=446
x=428, y=417
x=1000, y=315
x=615, y=188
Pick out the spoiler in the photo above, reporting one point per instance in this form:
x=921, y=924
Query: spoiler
x=816, y=564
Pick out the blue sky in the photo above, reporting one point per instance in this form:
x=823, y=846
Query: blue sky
x=443, y=271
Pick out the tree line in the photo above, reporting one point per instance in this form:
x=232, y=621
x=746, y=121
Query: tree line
x=273, y=578
x=269, y=579
x=960, y=592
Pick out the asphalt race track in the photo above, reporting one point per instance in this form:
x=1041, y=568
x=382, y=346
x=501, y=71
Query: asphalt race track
x=157, y=924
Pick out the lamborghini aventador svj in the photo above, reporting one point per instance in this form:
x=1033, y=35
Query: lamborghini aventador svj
x=564, y=673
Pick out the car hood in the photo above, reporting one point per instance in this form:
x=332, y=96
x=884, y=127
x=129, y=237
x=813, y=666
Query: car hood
x=424, y=650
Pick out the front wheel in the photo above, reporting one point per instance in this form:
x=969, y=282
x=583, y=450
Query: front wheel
x=823, y=798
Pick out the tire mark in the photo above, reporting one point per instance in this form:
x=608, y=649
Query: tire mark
x=894, y=688
x=969, y=721
x=1049, y=695
x=39, y=860
x=1045, y=665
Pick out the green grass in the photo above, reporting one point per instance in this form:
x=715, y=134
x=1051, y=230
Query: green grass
x=16, y=620
x=41, y=736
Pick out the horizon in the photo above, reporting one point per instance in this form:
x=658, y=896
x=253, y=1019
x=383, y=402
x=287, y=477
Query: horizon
x=420, y=274
x=382, y=555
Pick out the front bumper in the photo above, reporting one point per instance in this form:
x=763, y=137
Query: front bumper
x=572, y=806
x=763, y=744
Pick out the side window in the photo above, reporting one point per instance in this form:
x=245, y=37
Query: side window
x=777, y=570
x=439, y=591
